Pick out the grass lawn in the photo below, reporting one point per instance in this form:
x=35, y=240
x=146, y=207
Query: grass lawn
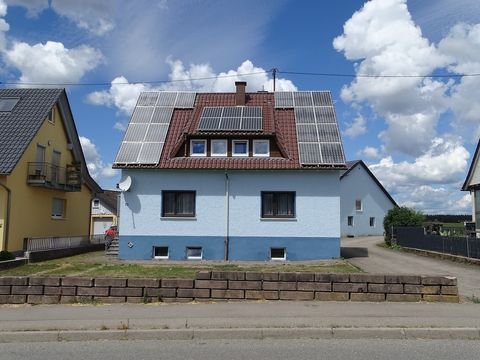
x=97, y=265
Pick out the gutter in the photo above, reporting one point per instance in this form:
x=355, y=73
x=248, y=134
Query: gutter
x=227, y=214
x=9, y=202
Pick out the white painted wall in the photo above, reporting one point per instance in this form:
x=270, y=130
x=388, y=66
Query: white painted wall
x=101, y=209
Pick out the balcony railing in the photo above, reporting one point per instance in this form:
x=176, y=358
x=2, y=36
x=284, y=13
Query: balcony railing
x=54, y=177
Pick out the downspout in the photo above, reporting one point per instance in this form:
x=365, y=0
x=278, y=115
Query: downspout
x=227, y=215
x=9, y=196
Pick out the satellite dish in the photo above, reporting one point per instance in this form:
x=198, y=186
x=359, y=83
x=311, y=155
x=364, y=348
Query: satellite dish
x=125, y=184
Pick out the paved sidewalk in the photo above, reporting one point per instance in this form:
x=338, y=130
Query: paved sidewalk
x=239, y=320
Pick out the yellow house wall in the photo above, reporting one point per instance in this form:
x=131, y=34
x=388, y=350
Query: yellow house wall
x=30, y=214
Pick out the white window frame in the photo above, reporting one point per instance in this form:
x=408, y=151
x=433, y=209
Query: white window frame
x=194, y=257
x=353, y=221
x=374, y=221
x=361, y=205
x=51, y=116
x=161, y=257
x=259, y=142
x=64, y=208
x=204, y=144
x=224, y=141
x=284, y=258
x=233, y=148
x=97, y=205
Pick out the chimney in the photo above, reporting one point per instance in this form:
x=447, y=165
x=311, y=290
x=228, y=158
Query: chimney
x=240, y=95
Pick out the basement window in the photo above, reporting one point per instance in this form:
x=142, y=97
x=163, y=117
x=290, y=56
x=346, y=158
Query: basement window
x=350, y=221
x=160, y=252
x=372, y=222
x=194, y=253
x=278, y=254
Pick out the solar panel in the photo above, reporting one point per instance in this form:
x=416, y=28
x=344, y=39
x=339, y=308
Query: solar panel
x=185, y=100
x=136, y=132
x=307, y=133
x=142, y=114
x=232, y=123
x=283, y=99
x=252, y=111
x=150, y=153
x=166, y=98
x=232, y=111
x=209, y=124
x=156, y=132
x=147, y=99
x=251, y=123
x=328, y=133
x=231, y=118
x=302, y=98
x=322, y=98
x=162, y=115
x=332, y=153
x=310, y=153
x=304, y=115
x=128, y=152
x=325, y=114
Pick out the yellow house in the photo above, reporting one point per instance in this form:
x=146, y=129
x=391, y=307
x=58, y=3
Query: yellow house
x=45, y=187
x=104, y=211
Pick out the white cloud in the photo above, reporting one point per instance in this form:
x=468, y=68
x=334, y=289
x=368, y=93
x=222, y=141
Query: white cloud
x=52, y=62
x=96, y=167
x=120, y=126
x=356, y=128
x=369, y=152
x=4, y=27
x=34, y=7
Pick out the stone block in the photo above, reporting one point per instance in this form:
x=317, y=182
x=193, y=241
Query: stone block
x=449, y=290
x=228, y=294
x=403, y=279
x=385, y=288
x=68, y=299
x=305, y=276
x=421, y=289
x=12, y=280
x=439, y=280
x=270, y=276
x=441, y=298
x=109, y=299
x=27, y=290
x=193, y=293
x=43, y=299
x=123, y=291
x=404, y=297
x=177, y=300
x=46, y=281
x=296, y=295
x=13, y=299
x=350, y=287
x=211, y=284
x=141, y=300
x=277, y=285
x=228, y=275
x=339, y=278
x=322, y=277
x=77, y=281
x=253, y=276
x=261, y=295
x=5, y=290
x=367, y=297
x=203, y=275
x=151, y=283
x=114, y=282
x=367, y=278
x=60, y=290
x=314, y=286
x=245, y=285
x=331, y=296
x=287, y=276
x=92, y=291
x=161, y=292
x=177, y=283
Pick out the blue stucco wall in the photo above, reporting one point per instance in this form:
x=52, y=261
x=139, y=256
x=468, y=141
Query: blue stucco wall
x=313, y=234
x=359, y=185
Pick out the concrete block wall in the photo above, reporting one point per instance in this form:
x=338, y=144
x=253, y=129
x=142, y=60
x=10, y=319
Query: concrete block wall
x=214, y=286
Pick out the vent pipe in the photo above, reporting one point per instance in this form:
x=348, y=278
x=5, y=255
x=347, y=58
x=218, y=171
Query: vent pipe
x=240, y=94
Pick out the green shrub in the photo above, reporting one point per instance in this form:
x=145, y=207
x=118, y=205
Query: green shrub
x=6, y=255
x=401, y=216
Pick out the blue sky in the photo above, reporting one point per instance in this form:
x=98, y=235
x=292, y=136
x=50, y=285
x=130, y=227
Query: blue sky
x=417, y=134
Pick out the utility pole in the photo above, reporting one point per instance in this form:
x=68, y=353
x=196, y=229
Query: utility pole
x=274, y=73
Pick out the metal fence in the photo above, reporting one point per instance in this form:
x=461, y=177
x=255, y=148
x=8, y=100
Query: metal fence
x=61, y=242
x=415, y=237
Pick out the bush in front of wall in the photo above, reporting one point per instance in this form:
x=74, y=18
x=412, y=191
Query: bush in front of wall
x=6, y=255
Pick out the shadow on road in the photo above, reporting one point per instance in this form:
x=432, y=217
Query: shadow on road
x=353, y=252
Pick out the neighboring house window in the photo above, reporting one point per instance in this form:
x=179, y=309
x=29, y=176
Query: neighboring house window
x=219, y=147
x=372, y=222
x=198, y=147
x=350, y=221
x=261, y=148
x=96, y=204
x=58, y=208
x=51, y=116
x=194, y=253
x=56, y=156
x=358, y=205
x=278, y=204
x=7, y=104
x=178, y=203
x=240, y=147
x=160, y=252
x=278, y=254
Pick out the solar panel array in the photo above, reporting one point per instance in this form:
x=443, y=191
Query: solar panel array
x=231, y=118
x=145, y=136
x=318, y=135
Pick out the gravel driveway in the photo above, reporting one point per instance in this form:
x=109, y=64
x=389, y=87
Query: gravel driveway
x=364, y=253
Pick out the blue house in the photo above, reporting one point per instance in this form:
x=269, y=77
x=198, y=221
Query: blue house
x=364, y=201
x=231, y=176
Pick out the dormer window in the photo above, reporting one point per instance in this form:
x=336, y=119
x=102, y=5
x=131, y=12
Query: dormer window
x=219, y=147
x=240, y=148
x=198, y=147
x=7, y=104
x=261, y=148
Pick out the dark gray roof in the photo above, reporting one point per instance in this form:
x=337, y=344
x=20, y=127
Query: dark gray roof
x=19, y=126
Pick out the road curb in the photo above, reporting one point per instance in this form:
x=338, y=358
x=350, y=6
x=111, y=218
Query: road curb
x=400, y=333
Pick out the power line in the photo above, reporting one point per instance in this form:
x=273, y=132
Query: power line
x=376, y=76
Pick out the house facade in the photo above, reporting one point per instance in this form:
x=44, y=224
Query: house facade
x=231, y=176
x=104, y=211
x=364, y=201
x=45, y=188
x=472, y=184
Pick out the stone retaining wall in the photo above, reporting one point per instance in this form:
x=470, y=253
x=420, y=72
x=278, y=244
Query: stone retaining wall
x=214, y=286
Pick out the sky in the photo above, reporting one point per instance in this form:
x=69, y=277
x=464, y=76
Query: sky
x=401, y=72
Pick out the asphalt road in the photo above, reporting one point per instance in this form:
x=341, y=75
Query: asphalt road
x=364, y=253
x=234, y=349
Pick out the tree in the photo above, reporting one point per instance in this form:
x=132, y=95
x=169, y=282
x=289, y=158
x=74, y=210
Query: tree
x=401, y=216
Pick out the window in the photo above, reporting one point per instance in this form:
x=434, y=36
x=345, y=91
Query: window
x=219, y=147
x=51, y=116
x=96, y=204
x=39, y=160
x=372, y=222
x=7, y=104
x=350, y=221
x=56, y=156
x=178, y=203
x=358, y=205
x=198, y=147
x=160, y=252
x=240, y=148
x=261, y=148
x=278, y=254
x=276, y=204
x=194, y=253
x=58, y=208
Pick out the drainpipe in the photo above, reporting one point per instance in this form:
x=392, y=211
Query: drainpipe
x=227, y=214
x=9, y=195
